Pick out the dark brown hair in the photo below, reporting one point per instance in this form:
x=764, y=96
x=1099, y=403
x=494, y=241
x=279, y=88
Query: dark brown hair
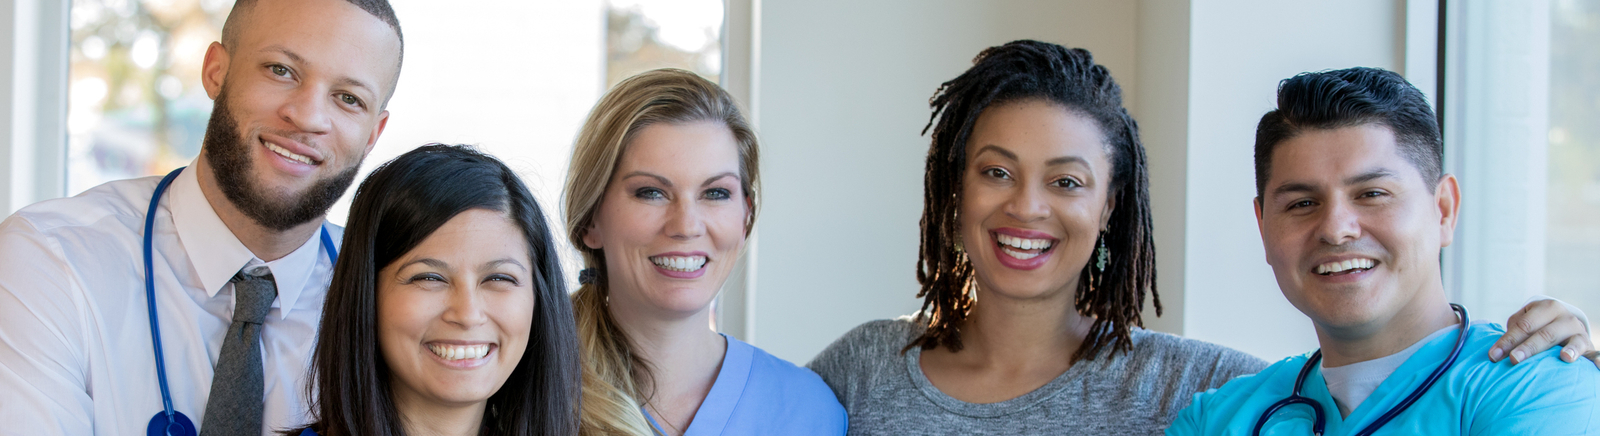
x=398, y=206
x=1347, y=98
x=1022, y=71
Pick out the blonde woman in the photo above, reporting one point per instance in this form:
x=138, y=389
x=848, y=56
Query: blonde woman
x=661, y=196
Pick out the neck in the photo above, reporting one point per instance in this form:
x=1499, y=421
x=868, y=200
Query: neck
x=1425, y=314
x=682, y=351
x=266, y=244
x=424, y=418
x=1024, y=332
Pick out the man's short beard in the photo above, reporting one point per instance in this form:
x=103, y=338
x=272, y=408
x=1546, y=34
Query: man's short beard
x=230, y=157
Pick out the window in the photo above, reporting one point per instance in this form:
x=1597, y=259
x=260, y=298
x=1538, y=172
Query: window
x=1521, y=96
x=514, y=78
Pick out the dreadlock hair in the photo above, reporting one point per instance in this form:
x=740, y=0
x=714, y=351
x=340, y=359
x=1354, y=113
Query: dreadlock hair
x=1021, y=71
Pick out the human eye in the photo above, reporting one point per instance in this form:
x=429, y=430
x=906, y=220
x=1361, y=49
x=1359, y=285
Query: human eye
x=1375, y=193
x=502, y=278
x=279, y=70
x=1067, y=183
x=1300, y=204
x=996, y=172
x=425, y=277
x=718, y=194
x=649, y=194
x=352, y=100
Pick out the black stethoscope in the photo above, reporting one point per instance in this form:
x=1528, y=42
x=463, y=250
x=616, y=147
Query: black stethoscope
x=170, y=422
x=1317, y=424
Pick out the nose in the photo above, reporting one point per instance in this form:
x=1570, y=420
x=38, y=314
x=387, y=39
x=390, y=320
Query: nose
x=307, y=110
x=1340, y=223
x=1027, y=204
x=465, y=307
x=685, y=222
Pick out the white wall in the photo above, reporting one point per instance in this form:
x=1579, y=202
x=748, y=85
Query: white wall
x=1240, y=49
x=843, y=88
x=514, y=79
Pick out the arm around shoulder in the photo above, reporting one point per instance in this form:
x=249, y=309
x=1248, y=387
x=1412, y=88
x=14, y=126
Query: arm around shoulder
x=1542, y=396
x=42, y=370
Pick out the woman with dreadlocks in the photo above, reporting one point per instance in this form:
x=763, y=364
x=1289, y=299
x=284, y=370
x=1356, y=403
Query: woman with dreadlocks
x=1036, y=256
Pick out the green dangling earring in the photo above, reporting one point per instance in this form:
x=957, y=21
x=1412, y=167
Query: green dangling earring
x=1104, y=254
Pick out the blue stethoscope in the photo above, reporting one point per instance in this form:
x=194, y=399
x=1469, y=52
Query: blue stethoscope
x=1316, y=408
x=170, y=422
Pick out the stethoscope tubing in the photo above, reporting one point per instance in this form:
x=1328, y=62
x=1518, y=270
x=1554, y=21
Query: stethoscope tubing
x=1318, y=421
x=150, y=289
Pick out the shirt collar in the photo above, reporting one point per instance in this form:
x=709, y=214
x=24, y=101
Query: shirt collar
x=217, y=254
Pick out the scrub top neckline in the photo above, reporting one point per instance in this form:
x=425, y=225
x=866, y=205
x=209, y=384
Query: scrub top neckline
x=714, y=412
x=993, y=410
x=1401, y=382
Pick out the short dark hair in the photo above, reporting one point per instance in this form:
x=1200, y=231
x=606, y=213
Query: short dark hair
x=1352, y=97
x=378, y=8
x=1069, y=78
x=398, y=206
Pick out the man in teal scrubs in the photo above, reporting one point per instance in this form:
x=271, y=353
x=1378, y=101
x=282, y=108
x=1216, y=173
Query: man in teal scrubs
x=1354, y=209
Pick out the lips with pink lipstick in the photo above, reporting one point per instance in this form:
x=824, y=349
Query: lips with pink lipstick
x=462, y=354
x=1022, y=249
x=681, y=265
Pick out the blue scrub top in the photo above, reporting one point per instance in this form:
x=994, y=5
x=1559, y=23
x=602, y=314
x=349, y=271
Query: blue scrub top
x=758, y=393
x=1540, y=396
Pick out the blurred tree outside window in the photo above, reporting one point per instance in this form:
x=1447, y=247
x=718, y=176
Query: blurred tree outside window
x=135, y=104
x=642, y=35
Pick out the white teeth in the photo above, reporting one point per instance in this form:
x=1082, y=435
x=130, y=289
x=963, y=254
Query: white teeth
x=680, y=263
x=1021, y=243
x=1345, y=265
x=459, y=352
x=286, y=153
x=1019, y=254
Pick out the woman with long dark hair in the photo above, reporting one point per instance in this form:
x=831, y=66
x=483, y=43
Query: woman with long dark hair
x=448, y=312
x=1037, y=256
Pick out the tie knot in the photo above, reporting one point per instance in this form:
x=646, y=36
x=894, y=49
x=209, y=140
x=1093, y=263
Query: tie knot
x=253, y=292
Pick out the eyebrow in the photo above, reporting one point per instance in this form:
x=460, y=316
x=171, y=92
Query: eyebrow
x=1295, y=187
x=713, y=179
x=436, y=263
x=342, y=80
x=1049, y=163
x=658, y=178
x=505, y=261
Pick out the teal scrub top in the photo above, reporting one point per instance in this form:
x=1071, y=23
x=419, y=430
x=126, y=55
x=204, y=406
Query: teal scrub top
x=1541, y=396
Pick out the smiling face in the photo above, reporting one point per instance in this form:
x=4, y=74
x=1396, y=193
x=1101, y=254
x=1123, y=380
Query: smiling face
x=299, y=104
x=671, y=222
x=1034, y=198
x=1351, y=229
x=454, y=313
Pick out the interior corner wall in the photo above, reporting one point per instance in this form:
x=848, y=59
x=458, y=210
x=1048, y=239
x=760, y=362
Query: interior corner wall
x=1161, y=107
x=1240, y=50
x=842, y=97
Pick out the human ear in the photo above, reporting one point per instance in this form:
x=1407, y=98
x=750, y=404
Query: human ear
x=1111, y=206
x=1448, y=196
x=591, y=236
x=214, y=69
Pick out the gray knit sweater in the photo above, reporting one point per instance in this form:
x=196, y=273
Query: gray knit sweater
x=1138, y=393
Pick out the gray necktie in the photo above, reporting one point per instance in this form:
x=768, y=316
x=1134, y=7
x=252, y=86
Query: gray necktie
x=238, y=388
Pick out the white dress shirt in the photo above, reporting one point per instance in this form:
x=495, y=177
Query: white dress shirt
x=75, y=350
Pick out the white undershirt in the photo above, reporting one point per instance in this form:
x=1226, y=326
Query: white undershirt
x=1351, y=384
